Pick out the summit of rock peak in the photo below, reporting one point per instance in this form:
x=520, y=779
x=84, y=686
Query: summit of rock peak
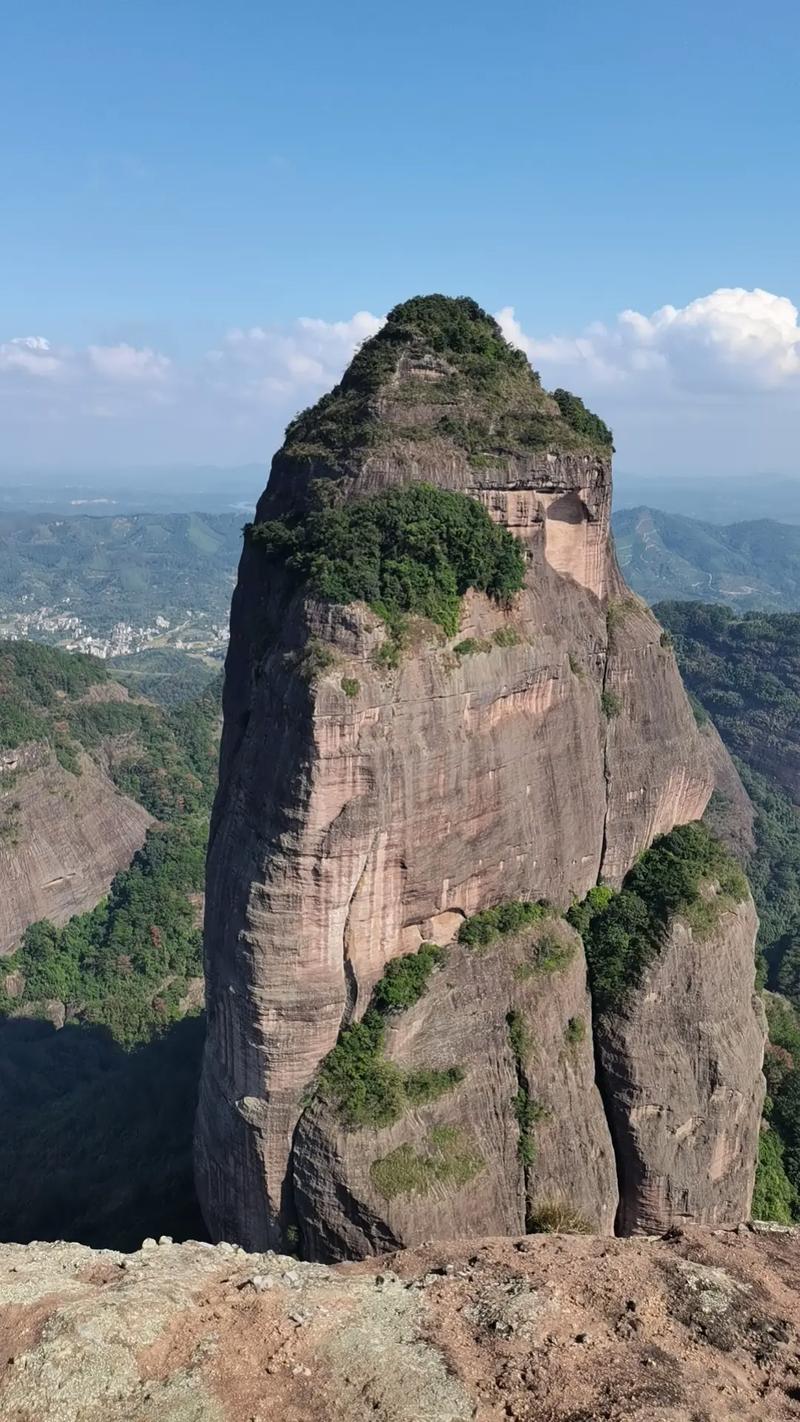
x=439, y=388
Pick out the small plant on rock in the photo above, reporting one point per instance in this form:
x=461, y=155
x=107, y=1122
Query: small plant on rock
x=558, y=1217
x=575, y=1032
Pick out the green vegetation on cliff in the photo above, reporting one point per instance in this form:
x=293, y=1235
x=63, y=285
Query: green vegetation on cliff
x=450, y=1159
x=581, y=420
x=543, y=953
x=485, y=927
x=411, y=550
x=777, y=1192
x=125, y=964
x=405, y=979
x=476, y=390
x=557, y=1217
x=622, y=932
x=357, y=1078
x=527, y=1110
x=774, y=1196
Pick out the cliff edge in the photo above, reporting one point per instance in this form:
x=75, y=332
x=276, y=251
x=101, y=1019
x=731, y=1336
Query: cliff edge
x=702, y=1324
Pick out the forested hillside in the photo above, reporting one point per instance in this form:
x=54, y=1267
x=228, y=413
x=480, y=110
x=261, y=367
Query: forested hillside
x=63, y=580
x=746, y=565
x=96, y=1142
x=744, y=673
x=165, y=675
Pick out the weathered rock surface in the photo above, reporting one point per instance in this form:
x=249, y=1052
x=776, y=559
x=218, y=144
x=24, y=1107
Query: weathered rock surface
x=463, y=1020
x=730, y=814
x=700, y=1325
x=65, y=838
x=348, y=829
x=676, y=1072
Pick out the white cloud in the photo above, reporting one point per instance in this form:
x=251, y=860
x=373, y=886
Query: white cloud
x=270, y=364
x=728, y=341
x=127, y=363
x=31, y=355
x=712, y=384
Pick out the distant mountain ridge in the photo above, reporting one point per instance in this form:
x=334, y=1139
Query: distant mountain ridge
x=744, y=565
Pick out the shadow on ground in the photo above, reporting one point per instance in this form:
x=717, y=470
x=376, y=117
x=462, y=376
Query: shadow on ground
x=95, y=1141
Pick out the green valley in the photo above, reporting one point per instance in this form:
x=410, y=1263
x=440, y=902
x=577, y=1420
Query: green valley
x=746, y=565
x=115, y=584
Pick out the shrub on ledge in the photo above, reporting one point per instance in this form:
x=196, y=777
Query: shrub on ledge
x=413, y=550
x=687, y=873
x=364, y=1086
x=483, y=928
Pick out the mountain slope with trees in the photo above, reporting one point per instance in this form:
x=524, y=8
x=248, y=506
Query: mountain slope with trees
x=98, y=1068
x=750, y=565
x=744, y=673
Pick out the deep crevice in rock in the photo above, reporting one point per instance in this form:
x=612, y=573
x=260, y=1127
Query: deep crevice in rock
x=606, y=1098
x=602, y=1085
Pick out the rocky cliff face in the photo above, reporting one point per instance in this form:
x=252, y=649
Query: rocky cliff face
x=676, y=1065
x=365, y=808
x=63, y=837
x=352, y=1187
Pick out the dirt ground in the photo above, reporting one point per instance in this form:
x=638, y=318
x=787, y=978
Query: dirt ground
x=699, y=1326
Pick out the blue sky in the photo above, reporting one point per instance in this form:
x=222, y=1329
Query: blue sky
x=177, y=177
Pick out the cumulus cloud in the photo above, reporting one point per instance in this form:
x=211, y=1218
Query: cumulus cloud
x=271, y=364
x=230, y=404
x=731, y=340
x=31, y=355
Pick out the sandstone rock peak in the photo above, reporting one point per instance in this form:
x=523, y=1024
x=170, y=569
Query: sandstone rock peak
x=380, y=784
x=439, y=394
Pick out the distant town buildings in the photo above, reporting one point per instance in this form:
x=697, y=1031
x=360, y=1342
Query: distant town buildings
x=64, y=629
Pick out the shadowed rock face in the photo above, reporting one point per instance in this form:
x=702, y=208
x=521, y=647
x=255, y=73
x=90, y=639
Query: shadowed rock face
x=349, y=829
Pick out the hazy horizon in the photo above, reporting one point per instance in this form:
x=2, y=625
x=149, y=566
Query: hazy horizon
x=235, y=489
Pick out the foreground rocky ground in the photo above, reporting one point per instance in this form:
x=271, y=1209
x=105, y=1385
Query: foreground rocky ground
x=695, y=1327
